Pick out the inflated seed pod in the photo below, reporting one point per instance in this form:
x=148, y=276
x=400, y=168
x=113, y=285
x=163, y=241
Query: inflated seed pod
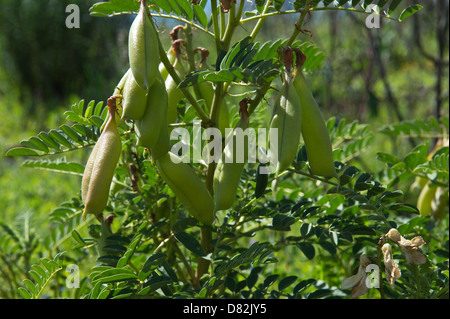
x=228, y=172
x=439, y=204
x=100, y=167
x=419, y=183
x=425, y=199
x=118, y=91
x=149, y=126
x=174, y=94
x=143, y=48
x=314, y=130
x=171, y=56
x=162, y=145
x=187, y=187
x=120, y=86
x=162, y=68
x=287, y=119
x=207, y=90
x=134, y=99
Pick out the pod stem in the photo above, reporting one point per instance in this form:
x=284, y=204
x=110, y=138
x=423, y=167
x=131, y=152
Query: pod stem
x=169, y=67
x=143, y=4
x=204, y=53
x=300, y=59
x=176, y=47
x=243, y=110
x=288, y=59
x=203, y=264
x=112, y=105
x=174, y=32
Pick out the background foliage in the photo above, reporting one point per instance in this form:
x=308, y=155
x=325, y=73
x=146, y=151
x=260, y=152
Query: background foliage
x=384, y=92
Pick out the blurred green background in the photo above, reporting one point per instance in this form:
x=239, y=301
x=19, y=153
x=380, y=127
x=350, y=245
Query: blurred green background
x=377, y=76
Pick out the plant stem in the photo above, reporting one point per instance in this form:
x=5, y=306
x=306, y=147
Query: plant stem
x=313, y=177
x=189, y=49
x=418, y=283
x=380, y=277
x=203, y=264
x=234, y=19
x=226, y=39
x=260, y=92
x=216, y=103
x=298, y=27
x=169, y=67
x=184, y=261
x=260, y=22
x=215, y=24
x=278, y=13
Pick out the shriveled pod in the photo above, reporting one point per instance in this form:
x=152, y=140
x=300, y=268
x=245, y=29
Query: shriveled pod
x=229, y=168
x=149, y=126
x=287, y=119
x=174, y=94
x=143, y=48
x=134, y=100
x=187, y=187
x=314, y=130
x=99, y=170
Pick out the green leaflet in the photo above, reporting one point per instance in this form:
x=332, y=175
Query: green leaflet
x=42, y=274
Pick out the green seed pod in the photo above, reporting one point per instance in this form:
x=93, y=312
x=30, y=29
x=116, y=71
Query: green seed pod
x=228, y=174
x=207, y=93
x=100, y=167
x=174, y=94
x=118, y=95
x=171, y=55
x=120, y=86
x=425, y=199
x=143, y=49
x=134, y=100
x=419, y=183
x=162, y=145
x=314, y=130
x=187, y=187
x=224, y=118
x=149, y=127
x=439, y=204
x=162, y=68
x=287, y=119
